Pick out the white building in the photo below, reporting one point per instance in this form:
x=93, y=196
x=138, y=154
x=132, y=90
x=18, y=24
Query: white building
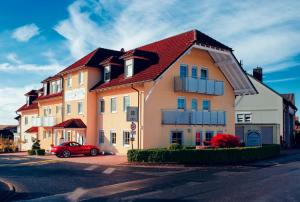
x=269, y=113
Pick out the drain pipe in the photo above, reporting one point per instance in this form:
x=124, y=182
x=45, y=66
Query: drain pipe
x=138, y=123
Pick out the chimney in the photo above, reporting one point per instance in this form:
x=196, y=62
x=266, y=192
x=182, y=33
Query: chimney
x=122, y=50
x=258, y=73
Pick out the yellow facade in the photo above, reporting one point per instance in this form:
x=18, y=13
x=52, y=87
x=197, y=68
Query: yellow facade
x=78, y=101
x=159, y=95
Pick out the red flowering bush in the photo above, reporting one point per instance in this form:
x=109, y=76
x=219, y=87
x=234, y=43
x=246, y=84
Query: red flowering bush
x=225, y=141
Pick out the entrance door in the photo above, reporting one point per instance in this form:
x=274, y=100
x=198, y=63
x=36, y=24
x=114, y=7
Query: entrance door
x=239, y=131
x=176, y=138
x=198, y=139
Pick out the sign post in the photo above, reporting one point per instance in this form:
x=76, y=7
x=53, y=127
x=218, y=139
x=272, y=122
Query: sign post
x=132, y=116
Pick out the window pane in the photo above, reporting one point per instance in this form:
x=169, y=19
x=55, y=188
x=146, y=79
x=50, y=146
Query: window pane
x=113, y=106
x=126, y=103
x=113, y=138
x=208, y=136
x=183, y=71
x=206, y=105
x=101, y=137
x=126, y=136
x=177, y=138
x=204, y=74
x=194, y=104
x=194, y=72
x=101, y=106
x=181, y=103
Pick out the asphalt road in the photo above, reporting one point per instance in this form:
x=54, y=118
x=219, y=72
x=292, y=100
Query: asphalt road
x=48, y=180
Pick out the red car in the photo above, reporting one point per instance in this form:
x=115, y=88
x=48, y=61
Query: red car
x=68, y=149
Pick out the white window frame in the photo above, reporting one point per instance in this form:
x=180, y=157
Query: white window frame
x=101, y=131
x=125, y=107
x=67, y=109
x=111, y=132
x=126, y=131
x=101, y=100
x=80, y=78
x=78, y=106
x=129, y=63
x=111, y=109
x=243, y=117
x=107, y=69
x=69, y=81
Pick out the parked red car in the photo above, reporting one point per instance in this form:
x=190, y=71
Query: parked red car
x=68, y=149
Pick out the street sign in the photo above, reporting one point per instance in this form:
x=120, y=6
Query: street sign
x=132, y=114
x=133, y=126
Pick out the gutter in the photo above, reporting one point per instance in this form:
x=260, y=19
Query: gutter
x=138, y=123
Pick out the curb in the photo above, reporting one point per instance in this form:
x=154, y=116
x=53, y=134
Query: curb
x=11, y=192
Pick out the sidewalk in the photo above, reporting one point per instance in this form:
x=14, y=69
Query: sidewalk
x=104, y=160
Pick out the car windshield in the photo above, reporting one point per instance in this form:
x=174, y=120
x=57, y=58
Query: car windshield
x=63, y=144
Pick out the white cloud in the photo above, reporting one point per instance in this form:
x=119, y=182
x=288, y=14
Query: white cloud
x=13, y=99
x=25, y=33
x=12, y=57
x=254, y=29
x=282, y=80
x=14, y=64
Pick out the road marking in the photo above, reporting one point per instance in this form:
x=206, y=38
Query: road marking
x=30, y=163
x=76, y=194
x=93, y=167
x=109, y=171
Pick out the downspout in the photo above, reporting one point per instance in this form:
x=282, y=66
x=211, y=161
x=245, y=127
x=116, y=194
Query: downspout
x=138, y=123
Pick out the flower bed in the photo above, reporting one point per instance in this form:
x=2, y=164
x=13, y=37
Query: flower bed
x=204, y=156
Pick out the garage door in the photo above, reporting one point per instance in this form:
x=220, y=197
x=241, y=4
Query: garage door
x=239, y=131
x=267, y=134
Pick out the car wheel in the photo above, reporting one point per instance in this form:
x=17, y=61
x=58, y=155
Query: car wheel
x=66, y=154
x=94, y=152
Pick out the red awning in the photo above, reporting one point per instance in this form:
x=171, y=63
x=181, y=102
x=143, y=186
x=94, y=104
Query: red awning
x=32, y=130
x=71, y=123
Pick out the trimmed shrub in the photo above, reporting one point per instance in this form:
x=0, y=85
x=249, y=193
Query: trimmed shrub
x=40, y=152
x=205, y=156
x=175, y=146
x=225, y=141
x=36, y=145
x=31, y=152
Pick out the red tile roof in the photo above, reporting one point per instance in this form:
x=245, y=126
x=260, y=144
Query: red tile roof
x=71, y=123
x=166, y=52
x=92, y=59
x=44, y=97
x=32, y=130
x=30, y=107
x=50, y=78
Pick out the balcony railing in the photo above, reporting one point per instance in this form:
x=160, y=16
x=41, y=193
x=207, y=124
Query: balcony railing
x=195, y=85
x=175, y=117
x=46, y=121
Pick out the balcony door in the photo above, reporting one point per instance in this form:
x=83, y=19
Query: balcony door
x=176, y=137
x=183, y=71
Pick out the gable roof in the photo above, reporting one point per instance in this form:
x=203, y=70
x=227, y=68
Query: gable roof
x=167, y=51
x=26, y=107
x=285, y=97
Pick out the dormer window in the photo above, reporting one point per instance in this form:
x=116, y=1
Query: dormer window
x=45, y=88
x=128, y=68
x=106, y=73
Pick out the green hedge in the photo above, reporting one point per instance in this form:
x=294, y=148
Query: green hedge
x=205, y=156
x=39, y=152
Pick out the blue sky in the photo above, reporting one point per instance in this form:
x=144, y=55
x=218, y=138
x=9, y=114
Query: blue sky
x=38, y=38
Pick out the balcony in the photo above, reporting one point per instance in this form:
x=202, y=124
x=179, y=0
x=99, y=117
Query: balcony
x=46, y=121
x=175, y=117
x=194, y=85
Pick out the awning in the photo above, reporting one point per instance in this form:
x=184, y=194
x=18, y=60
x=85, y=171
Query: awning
x=32, y=130
x=71, y=123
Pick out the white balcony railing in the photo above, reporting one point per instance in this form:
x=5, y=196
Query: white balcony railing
x=44, y=121
x=175, y=117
